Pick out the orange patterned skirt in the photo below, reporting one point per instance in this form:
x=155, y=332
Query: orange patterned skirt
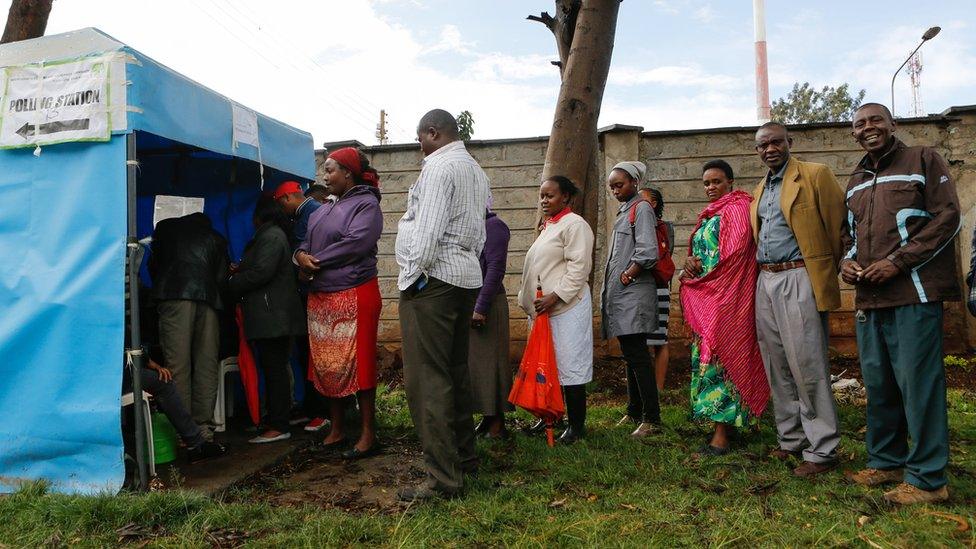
x=342, y=328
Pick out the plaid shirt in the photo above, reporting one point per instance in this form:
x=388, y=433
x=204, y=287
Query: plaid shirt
x=442, y=232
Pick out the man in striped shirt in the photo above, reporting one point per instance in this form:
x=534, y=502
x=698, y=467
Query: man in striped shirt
x=438, y=245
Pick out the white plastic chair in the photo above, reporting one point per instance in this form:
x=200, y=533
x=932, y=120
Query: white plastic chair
x=227, y=366
x=127, y=400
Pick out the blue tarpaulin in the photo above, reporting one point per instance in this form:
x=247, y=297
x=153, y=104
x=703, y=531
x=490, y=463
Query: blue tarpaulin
x=63, y=233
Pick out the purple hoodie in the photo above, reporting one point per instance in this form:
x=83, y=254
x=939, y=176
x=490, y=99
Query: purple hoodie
x=494, y=259
x=342, y=237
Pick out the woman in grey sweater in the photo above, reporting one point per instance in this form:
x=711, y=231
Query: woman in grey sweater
x=629, y=304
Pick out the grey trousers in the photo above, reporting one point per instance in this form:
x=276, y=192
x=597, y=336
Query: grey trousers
x=435, y=323
x=189, y=334
x=793, y=341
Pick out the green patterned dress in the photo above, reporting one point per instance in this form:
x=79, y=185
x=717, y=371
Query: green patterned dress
x=713, y=398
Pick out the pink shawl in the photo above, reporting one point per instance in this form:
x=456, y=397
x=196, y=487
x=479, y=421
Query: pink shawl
x=720, y=307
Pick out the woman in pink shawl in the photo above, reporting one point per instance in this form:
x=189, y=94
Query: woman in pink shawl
x=718, y=288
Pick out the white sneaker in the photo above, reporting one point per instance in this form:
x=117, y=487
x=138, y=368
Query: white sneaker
x=261, y=439
x=317, y=424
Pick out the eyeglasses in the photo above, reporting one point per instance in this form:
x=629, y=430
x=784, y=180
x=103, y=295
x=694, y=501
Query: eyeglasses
x=763, y=145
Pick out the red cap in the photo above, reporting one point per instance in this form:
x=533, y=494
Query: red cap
x=288, y=187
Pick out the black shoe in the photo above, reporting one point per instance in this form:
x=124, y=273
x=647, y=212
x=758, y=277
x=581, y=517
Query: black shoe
x=540, y=426
x=714, y=451
x=205, y=451
x=482, y=427
x=356, y=453
x=571, y=435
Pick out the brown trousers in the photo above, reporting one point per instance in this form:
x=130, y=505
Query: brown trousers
x=434, y=323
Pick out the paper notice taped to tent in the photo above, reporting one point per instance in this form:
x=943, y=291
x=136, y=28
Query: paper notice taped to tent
x=50, y=103
x=175, y=206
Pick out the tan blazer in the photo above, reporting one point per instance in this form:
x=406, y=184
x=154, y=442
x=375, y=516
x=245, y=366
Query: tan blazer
x=813, y=205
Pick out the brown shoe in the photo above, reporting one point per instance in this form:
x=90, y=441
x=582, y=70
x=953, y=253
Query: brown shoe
x=907, y=494
x=875, y=477
x=810, y=469
x=785, y=455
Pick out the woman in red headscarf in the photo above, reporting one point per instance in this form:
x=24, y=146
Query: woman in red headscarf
x=338, y=257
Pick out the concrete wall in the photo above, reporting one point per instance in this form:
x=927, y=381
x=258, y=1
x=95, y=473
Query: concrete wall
x=674, y=162
x=514, y=168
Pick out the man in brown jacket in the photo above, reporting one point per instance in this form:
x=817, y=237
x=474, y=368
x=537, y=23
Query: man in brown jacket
x=797, y=217
x=904, y=217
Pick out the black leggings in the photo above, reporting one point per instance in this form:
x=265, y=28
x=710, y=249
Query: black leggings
x=642, y=399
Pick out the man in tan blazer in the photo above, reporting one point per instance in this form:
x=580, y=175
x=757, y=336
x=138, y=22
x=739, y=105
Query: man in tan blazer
x=797, y=216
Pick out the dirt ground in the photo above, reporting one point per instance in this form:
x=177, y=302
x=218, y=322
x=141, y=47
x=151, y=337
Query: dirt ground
x=314, y=476
x=317, y=477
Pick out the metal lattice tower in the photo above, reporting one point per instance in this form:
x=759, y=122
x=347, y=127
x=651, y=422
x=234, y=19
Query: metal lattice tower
x=915, y=72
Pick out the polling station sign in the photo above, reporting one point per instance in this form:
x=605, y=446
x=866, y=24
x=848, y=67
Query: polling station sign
x=50, y=103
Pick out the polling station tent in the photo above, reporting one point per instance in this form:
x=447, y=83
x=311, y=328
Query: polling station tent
x=91, y=131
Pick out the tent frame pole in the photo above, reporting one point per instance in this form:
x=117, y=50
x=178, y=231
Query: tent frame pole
x=135, y=337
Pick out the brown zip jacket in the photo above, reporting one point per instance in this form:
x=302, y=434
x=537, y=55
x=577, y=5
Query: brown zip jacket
x=904, y=209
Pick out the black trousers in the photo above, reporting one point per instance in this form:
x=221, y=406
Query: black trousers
x=313, y=403
x=642, y=399
x=272, y=354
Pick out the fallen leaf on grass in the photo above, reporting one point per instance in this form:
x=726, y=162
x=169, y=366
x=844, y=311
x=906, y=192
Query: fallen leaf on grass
x=762, y=489
x=862, y=520
x=227, y=537
x=555, y=504
x=962, y=525
x=630, y=507
x=592, y=498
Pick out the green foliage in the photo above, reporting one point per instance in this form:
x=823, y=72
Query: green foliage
x=465, y=122
x=608, y=490
x=804, y=105
x=952, y=361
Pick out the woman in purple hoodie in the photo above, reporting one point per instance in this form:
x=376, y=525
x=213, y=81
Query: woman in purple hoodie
x=338, y=257
x=488, y=361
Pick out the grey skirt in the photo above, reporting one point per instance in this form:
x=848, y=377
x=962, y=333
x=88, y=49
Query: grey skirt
x=488, y=362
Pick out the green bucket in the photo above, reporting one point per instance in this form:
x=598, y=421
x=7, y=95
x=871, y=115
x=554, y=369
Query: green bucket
x=164, y=439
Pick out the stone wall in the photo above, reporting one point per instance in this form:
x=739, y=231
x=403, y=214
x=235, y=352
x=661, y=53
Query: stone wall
x=674, y=162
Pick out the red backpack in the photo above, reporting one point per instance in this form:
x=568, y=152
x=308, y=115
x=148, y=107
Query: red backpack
x=663, y=270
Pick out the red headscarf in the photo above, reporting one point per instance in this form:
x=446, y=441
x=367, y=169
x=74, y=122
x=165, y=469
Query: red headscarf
x=348, y=158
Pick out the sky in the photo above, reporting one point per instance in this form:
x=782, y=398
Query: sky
x=329, y=66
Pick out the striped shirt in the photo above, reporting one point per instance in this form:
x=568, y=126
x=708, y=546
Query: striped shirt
x=442, y=232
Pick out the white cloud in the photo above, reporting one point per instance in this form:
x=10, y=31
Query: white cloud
x=705, y=14
x=450, y=42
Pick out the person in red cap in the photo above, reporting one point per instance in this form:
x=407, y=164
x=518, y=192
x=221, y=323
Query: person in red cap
x=338, y=258
x=299, y=208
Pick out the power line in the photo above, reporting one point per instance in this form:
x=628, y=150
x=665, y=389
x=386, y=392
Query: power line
x=357, y=103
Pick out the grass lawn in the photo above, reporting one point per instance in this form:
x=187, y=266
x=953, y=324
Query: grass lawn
x=608, y=490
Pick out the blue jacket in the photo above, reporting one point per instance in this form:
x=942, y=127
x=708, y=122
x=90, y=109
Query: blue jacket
x=301, y=220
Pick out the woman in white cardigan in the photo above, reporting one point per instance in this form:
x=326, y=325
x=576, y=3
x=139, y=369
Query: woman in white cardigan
x=561, y=259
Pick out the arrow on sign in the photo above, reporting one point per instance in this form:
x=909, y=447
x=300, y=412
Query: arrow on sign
x=27, y=130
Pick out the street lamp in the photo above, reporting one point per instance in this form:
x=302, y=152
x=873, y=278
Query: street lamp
x=929, y=34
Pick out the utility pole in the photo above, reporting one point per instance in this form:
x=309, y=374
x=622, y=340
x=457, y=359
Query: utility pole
x=762, y=64
x=381, y=132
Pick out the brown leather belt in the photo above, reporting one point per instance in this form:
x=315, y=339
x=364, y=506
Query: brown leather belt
x=780, y=267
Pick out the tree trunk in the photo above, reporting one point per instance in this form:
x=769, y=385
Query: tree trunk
x=573, y=143
x=26, y=19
